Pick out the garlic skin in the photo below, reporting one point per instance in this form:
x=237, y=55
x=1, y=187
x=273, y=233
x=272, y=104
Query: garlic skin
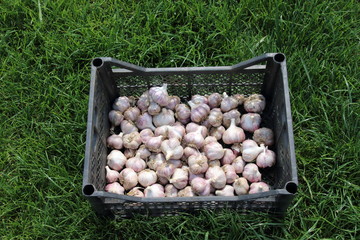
x=248, y=143
x=213, y=151
x=236, y=148
x=193, y=127
x=238, y=164
x=114, y=187
x=155, y=190
x=217, y=132
x=228, y=157
x=227, y=191
x=258, y=187
x=198, y=163
x=135, y=192
x=115, y=141
x=217, y=177
x=233, y=134
x=144, y=152
x=172, y=149
x=199, y=112
x=111, y=175
x=154, y=109
x=265, y=159
x=255, y=103
x=206, y=124
x=132, y=140
x=194, y=139
x=115, y=118
x=159, y=95
x=228, y=103
x=188, y=151
x=121, y=104
x=210, y=139
x=251, y=173
x=165, y=117
x=132, y=113
x=250, y=122
x=177, y=132
x=214, y=100
x=229, y=173
x=165, y=170
x=264, y=135
x=143, y=102
x=215, y=117
x=128, y=178
x=180, y=178
x=147, y=177
x=162, y=131
x=201, y=186
x=250, y=154
x=146, y=134
x=145, y=121
x=171, y=190
x=154, y=143
x=116, y=160
x=214, y=163
x=182, y=113
x=155, y=160
x=186, y=192
x=230, y=115
x=241, y=186
x=136, y=163
x=173, y=102
x=128, y=127
x=129, y=153
x=193, y=176
x=163, y=181
x=176, y=163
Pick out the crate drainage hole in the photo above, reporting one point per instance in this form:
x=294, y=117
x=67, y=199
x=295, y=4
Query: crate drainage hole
x=88, y=189
x=291, y=187
x=97, y=62
x=279, y=57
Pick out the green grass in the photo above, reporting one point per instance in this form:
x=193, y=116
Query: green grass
x=46, y=48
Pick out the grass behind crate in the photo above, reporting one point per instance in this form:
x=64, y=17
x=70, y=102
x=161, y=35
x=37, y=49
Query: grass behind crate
x=46, y=48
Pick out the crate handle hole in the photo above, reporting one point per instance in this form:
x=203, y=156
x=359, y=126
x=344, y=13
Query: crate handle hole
x=88, y=190
x=279, y=57
x=291, y=187
x=97, y=62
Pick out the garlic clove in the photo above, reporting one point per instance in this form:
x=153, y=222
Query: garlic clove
x=114, y=187
x=116, y=160
x=266, y=158
x=111, y=175
x=258, y=187
x=165, y=117
x=121, y=104
x=145, y=121
x=264, y=135
x=171, y=190
x=250, y=154
x=115, y=141
x=241, y=186
x=135, y=192
x=155, y=190
x=251, y=173
x=233, y=134
x=132, y=114
x=159, y=95
x=147, y=177
x=128, y=127
x=214, y=100
x=250, y=122
x=128, y=178
x=227, y=191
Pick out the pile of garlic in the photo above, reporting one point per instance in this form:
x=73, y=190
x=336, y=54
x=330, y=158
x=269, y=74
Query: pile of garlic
x=170, y=149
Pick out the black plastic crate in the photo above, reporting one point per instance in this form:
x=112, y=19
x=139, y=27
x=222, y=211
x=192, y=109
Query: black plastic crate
x=265, y=74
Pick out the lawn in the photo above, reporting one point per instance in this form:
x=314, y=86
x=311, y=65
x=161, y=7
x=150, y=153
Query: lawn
x=46, y=48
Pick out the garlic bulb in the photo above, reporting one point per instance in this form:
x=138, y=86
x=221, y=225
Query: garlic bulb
x=147, y=177
x=132, y=114
x=160, y=95
x=229, y=173
x=186, y=192
x=155, y=160
x=258, y=187
x=214, y=163
x=188, y=151
x=199, y=112
x=136, y=163
x=145, y=134
x=115, y=141
x=155, y=190
x=173, y=102
x=194, y=139
x=233, y=134
x=162, y=130
x=176, y=163
x=241, y=186
x=183, y=113
x=248, y=143
x=177, y=132
x=230, y=115
x=217, y=177
x=172, y=149
x=180, y=178
x=238, y=164
x=228, y=157
x=227, y=191
x=165, y=117
x=193, y=127
x=115, y=118
x=154, y=109
x=193, y=176
x=210, y=139
x=206, y=123
x=250, y=122
x=250, y=154
x=215, y=117
x=144, y=152
x=251, y=173
x=163, y=181
x=236, y=148
x=198, y=163
x=111, y=175
x=171, y=190
x=143, y=102
x=154, y=143
x=213, y=151
x=214, y=100
x=128, y=127
x=201, y=186
x=121, y=104
x=129, y=153
x=132, y=140
x=264, y=135
x=240, y=98
x=228, y=103
x=165, y=170
x=135, y=192
x=114, y=187
x=145, y=121
x=255, y=103
x=128, y=178
x=198, y=99
x=116, y=160
x=217, y=132
x=266, y=158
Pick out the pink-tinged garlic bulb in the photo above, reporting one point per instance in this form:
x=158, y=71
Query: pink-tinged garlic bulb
x=155, y=160
x=193, y=127
x=217, y=132
x=172, y=149
x=238, y=164
x=264, y=135
x=136, y=163
x=145, y=121
x=258, y=187
x=229, y=173
x=154, y=143
x=266, y=158
x=162, y=131
x=193, y=176
x=160, y=95
x=173, y=102
x=182, y=113
x=154, y=109
x=186, y=192
x=217, y=177
x=129, y=153
x=171, y=190
x=145, y=134
x=132, y=140
x=132, y=113
x=135, y=192
x=250, y=154
x=198, y=163
x=111, y=175
x=206, y=124
x=188, y=151
x=230, y=115
x=155, y=190
x=165, y=170
x=121, y=104
x=227, y=191
x=240, y=98
x=128, y=178
x=215, y=117
x=236, y=148
x=228, y=103
x=147, y=177
x=116, y=160
x=250, y=122
x=176, y=131
x=214, y=163
x=144, y=152
x=214, y=100
x=163, y=181
x=241, y=186
x=114, y=187
x=115, y=118
x=143, y=102
x=165, y=117
x=228, y=157
x=180, y=178
x=251, y=173
x=248, y=143
x=201, y=186
x=210, y=139
x=199, y=112
x=198, y=99
x=194, y=139
x=115, y=141
x=233, y=134
x=175, y=162
x=255, y=103
x=128, y=127
x=213, y=151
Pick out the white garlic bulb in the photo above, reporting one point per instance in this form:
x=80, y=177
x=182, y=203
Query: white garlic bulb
x=147, y=177
x=241, y=186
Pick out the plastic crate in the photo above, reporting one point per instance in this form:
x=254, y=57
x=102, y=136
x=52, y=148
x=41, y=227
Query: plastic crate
x=265, y=74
